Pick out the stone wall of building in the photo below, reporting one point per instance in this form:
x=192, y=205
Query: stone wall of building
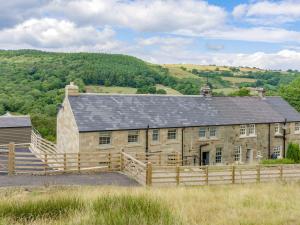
x=67, y=131
x=89, y=141
x=228, y=138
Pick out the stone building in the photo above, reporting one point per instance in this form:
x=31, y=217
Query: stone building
x=205, y=129
x=15, y=129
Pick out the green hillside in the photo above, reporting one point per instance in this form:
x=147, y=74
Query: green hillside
x=32, y=82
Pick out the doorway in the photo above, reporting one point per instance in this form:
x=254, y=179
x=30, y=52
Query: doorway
x=205, y=158
x=249, y=156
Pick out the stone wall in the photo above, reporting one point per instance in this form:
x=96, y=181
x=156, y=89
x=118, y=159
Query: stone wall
x=227, y=138
x=67, y=131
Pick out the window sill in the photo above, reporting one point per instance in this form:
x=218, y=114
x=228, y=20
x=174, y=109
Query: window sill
x=278, y=135
x=208, y=139
x=249, y=136
x=296, y=132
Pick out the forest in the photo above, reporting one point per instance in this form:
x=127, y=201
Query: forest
x=32, y=82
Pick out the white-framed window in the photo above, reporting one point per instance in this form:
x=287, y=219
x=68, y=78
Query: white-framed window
x=297, y=127
x=218, y=155
x=237, y=153
x=277, y=128
x=105, y=138
x=172, y=134
x=251, y=129
x=133, y=136
x=155, y=135
x=277, y=151
x=243, y=129
x=202, y=132
x=212, y=132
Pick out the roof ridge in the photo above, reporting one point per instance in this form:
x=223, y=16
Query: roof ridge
x=166, y=95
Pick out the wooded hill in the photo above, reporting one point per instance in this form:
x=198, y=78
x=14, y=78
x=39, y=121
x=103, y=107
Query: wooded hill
x=32, y=82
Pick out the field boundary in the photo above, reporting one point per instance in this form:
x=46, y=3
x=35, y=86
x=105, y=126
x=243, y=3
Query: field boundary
x=151, y=169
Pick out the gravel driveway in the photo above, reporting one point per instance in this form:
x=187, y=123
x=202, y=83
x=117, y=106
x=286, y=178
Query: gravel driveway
x=108, y=178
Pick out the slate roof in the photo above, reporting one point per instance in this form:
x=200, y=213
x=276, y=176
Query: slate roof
x=9, y=121
x=94, y=112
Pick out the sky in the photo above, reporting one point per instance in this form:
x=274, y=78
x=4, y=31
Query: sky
x=264, y=34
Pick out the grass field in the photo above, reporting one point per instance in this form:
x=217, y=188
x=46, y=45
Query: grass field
x=176, y=71
x=238, y=80
x=104, y=89
x=226, y=91
x=264, y=204
x=126, y=90
x=169, y=90
x=207, y=67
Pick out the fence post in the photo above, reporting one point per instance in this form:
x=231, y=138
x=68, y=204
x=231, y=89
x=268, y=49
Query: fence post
x=46, y=163
x=149, y=174
x=258, y=174
x=206, y=175
x=177, y=175
x=65, y=162
x=122, y=160
x=11, y=159
x=159, y=158
x=281, y=172
x=109, y=160
x=233, y=174
x=78, y=162
x=177, y=158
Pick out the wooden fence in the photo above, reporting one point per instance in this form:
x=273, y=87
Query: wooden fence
x=41, y=145
x=159, y=158
x=207, y=175
x=147, y=169
x=18, y=159
x=134, y=168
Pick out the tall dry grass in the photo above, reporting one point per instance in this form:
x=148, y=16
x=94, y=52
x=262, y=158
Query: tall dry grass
x=271, y=203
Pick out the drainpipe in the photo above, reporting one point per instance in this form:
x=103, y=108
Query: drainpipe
x=182, y=145
x=269, y=142
x=200, y=153
x=147, y=141
x=284, y=138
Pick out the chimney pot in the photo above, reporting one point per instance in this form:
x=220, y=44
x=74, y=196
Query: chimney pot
x=205, y=91
x=72, y=89
x=261, y=92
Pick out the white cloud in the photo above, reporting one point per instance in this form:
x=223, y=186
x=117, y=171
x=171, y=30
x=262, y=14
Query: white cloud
x=269, y=12
x=156, y=40
x=260, y=34
x=142, y=15
x=58, y=35
x=285, y=59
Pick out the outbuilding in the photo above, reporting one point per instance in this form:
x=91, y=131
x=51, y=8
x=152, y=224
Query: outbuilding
x=15, y=129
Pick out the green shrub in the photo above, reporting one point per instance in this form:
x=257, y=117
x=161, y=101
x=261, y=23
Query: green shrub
x=277, y=161
x=31, y=210
x=293, y=152
x=133, y=210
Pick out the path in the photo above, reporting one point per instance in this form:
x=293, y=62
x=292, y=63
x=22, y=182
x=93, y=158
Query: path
x=107, y=178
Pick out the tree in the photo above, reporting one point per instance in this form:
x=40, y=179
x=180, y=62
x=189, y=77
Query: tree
x=241, y=92
x=291, y=93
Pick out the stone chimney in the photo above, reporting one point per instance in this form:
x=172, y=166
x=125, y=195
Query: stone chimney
x=72, y=90
x=205, y=91
x=261, y=92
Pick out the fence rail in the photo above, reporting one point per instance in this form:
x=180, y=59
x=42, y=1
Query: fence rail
x=147, y=169
x=207, y=175
x=16, y=160
x=134, y=168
